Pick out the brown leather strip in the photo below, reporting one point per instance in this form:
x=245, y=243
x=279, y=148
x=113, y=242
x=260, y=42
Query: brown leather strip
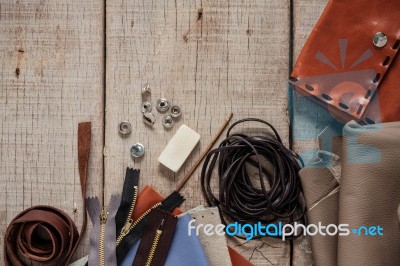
x=46, y=234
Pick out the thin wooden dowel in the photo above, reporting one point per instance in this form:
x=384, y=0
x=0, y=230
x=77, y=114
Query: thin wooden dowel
x=205, y=152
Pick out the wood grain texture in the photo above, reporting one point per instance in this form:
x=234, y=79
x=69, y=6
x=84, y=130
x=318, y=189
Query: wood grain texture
x=209, y=57
x=50, y=80
x=308, y=118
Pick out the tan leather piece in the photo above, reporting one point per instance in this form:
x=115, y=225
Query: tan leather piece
x=347, y=75
x=319, y=180
x=370, y=193
x=46, y=234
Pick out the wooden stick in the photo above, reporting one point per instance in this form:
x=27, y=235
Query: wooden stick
x=203, y=155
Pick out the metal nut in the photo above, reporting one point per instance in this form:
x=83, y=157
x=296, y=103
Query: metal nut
x=146, y=88
x=137, y=150
x=176, y=111
x=146, y=107
x=168, y=121
x=149, y=118
x=380, y=39
x=162, y=105
x=124, y=127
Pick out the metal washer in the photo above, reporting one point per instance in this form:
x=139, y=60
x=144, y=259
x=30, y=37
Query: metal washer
x=162, y=105
x=124, y=127
x=146, y=107
x=137, y=150
x=176, y=111
x=168, y=121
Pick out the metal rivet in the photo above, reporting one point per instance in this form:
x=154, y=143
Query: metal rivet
x=124, y=127
x=176, y=111
x=149, y=118
x=146, y=88
x=137, y=150
x=146, y=107
x=162, y=105
x=380, y=39
x=168, y=121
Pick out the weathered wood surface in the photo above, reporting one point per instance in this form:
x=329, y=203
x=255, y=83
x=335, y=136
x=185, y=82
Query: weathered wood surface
x=308, y=119
x=209, y=57
x=50, y=79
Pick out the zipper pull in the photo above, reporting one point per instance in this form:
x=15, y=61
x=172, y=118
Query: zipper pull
x=124, y=231
x=127, y=227
x=161, y=224
x=103, y=216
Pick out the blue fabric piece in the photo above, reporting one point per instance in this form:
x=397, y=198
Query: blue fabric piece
x=184, y=250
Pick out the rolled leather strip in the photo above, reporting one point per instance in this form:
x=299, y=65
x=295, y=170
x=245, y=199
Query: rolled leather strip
x=370, y=194
x=45, y=234
x=320, y=182
x=341, y=68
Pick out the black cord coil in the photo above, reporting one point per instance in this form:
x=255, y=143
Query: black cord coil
x=278, y=195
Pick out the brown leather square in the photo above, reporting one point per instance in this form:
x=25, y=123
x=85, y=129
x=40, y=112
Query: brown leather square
x=341, y=68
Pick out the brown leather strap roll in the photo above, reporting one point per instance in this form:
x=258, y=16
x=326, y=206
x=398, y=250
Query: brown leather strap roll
x=46, y=234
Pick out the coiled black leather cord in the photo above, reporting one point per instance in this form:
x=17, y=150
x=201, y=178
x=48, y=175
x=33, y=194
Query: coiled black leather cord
x=277, y=196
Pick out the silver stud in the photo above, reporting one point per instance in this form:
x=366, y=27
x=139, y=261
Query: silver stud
x=149, y=118
x=137, y=150
x=124, y=127
x=176, y=111
x=146, y=88
x=168, y=121
x=162, y=105
x=145, y=107
x=380, y=39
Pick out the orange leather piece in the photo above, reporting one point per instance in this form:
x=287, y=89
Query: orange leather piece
x=339, y=59
x=148, y=197
x=237, y=259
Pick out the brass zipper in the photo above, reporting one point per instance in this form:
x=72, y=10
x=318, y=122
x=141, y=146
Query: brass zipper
x=103, y=221
x=155, y=244
x=126, y=228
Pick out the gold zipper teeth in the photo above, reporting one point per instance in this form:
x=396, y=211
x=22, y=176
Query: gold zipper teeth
x=103, y=221
x=144, y=215
x=126, y=228
x=153, y=247
x=131, y=226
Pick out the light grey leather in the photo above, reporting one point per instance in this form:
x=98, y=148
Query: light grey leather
x=320, y=181
x=364, y=191
x=370, y=193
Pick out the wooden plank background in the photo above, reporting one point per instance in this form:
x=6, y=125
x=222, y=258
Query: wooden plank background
x=50, y=80
x=308, y=119
x=209, y=57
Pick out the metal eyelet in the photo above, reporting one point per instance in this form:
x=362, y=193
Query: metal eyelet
x=124, y=127
x=168, y=121
x=137, y=150
x=149, y=118
x=380, y=39
x=146, y=107
x=146, y=88
x=176, y=111
x=162, y=105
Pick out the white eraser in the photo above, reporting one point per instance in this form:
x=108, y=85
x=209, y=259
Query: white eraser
x=179, y=148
